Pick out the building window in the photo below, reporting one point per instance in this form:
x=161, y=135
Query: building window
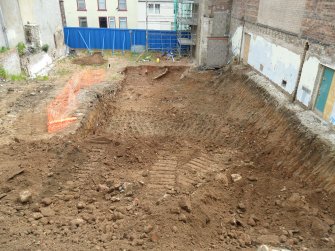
x=81, y=5
x=154, y=8
x=103, y=22
x=82, y=21
x=112, y=22
x=123, y=22
x=102, y=5
x=122, y=5
x=157, y=8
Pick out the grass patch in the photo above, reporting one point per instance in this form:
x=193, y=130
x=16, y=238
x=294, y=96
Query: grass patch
x=4, y=49
x=42, y=78
x=21, y=48
x=19, y=77
x=4, y=75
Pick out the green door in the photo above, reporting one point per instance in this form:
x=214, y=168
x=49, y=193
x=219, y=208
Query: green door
x=327, y=79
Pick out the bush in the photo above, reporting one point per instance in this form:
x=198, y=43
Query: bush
x=3, y=49
x=45, y=48
x=21, y=48
x=3, y=73
x=19, y=77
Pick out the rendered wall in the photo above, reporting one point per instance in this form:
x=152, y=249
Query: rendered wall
x=274, y=61
x=92, y=13
x=13, y=22
x=162, y=21
x=46, y=14
x=10, y=61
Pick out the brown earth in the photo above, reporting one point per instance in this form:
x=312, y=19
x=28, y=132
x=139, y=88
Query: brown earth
x=153, y=169
x=95, y=59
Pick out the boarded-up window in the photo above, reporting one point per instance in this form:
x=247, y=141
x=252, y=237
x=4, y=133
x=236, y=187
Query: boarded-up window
x=282, y=14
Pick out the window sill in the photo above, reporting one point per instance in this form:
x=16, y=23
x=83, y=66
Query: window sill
x=81, y=10
x=122, y=10
x=102, y=10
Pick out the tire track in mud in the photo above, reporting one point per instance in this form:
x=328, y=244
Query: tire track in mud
x=195, y=171
x=162, y=176
x=193, y=126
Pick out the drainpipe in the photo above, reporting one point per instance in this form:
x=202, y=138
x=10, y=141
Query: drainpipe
x=3, y=28
x=294, y=94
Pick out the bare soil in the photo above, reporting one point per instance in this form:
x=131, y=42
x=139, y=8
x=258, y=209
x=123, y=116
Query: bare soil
x=95, y=59
x=153, y=168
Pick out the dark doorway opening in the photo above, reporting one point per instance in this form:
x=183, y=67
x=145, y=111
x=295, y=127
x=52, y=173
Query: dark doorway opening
x=103, y=22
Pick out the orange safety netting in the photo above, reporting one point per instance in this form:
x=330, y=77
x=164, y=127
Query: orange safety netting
x=60, y=110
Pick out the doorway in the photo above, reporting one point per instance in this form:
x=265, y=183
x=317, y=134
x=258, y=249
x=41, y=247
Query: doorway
x=322, y=95
x=103, y=22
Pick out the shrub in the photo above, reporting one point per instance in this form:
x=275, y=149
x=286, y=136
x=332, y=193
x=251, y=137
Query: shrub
x=3, y=49
x=45, y=48
x=3, y=73
x=21, y=48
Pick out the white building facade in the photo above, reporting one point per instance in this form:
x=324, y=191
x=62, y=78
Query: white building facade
x=101, y=13
x=160, y=14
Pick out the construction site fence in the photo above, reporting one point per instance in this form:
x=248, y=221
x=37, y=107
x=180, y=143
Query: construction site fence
x=121, y=39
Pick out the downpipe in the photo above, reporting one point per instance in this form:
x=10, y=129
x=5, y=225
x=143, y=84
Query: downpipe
x=294, y=94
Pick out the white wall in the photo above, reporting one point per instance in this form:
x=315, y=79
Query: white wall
x=308, y=80
x=46, y=14
x=92, y=13
x=274, y=61
x=162, y=21
x=278, y=62
x=12, y=21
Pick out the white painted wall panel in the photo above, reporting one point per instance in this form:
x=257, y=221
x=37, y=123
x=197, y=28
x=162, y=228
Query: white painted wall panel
x=308, y=79
x=278, y=63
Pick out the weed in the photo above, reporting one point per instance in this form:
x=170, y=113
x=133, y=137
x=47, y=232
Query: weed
x=21, y=48
x=3, y=73
x=3, y=49
x=19, y=77
x=45, y=48
x=42, y=78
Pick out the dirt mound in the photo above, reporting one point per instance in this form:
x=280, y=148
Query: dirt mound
x=190, y=161
x=95, y=59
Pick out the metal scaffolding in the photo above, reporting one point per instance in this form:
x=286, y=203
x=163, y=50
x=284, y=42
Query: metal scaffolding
x=186, y=23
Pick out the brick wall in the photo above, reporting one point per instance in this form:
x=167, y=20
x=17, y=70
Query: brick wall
x=319, y=21
x=219, y=5
x=252, y=8
x=286, y=15
x=245, y=8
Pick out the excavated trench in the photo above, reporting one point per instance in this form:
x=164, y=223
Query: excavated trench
x=185, y=160
x=228, y=109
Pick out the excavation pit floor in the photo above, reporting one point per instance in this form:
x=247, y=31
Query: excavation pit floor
x=176, y=160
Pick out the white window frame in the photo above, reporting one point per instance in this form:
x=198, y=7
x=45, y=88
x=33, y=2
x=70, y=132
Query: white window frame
x=120, y=6
x=105, y=5
x=81, y=8
x=109, y=22
x=126, y=19
x=79, y=19
x=154, y=8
